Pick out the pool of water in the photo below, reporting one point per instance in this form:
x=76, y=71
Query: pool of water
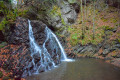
x=82, y=69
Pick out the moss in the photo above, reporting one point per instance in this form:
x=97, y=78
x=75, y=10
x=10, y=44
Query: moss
x=3, y=8
x=62, y=20
x=104, y=20
x=74, y=42
x=114, y=20
x=3, y=23
x=108, y=28
x=1, y=74
x=55, y=11
x=9, y=15
x=119, y=40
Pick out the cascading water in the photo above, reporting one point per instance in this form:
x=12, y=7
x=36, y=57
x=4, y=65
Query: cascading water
x=14, y=3
x=46, y=60
x=64, y=57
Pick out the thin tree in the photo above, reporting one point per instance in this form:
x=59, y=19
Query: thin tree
x=118, y=14
x=93, y=19
x=85, y=10
x=82, y=20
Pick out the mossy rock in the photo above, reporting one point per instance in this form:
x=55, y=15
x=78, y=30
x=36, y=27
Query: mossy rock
x=1, y=74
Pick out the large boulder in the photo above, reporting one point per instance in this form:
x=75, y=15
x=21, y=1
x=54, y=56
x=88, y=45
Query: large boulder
x=19, y=50
x=18, y=33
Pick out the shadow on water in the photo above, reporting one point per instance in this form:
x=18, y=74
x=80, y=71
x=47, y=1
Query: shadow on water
x=82, y=69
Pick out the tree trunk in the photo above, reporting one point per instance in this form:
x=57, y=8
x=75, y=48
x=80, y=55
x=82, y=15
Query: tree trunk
x=94, y=20
x=82, y=20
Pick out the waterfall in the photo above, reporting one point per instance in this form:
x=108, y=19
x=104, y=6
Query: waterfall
x=41, y=51
x=14, y=3
x=62, y=50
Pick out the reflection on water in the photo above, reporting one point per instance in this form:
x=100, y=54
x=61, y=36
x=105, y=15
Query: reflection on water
x=82, y=69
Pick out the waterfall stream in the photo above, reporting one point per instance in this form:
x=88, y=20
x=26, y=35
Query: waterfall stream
x=14, y=3
x=46, y=60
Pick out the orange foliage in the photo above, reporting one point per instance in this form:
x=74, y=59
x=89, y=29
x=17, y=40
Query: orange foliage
x=100, y=51
x=9, y=53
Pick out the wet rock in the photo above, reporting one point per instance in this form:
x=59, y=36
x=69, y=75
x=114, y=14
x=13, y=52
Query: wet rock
x=18, y=33
x=105, y=51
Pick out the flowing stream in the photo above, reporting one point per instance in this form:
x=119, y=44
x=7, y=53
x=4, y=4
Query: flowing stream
x=82, y=69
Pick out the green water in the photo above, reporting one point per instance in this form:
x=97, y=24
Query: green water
x=82, y=69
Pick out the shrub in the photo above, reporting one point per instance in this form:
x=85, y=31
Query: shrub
x=9, y=15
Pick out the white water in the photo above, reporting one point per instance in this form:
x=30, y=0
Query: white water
x=62, y=50
x=14, y=3
x=42, y=52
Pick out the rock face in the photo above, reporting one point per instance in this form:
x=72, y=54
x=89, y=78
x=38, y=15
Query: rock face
x=58, y=14
x=68, y=13
x=19, y=48
x=18, y=33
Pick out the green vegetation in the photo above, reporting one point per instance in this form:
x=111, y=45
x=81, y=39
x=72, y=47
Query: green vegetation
x=76, y=29
x=119, y=40
x=85, y=25
x=104, y=20
x=9, y=15
x=55, y=11
x=108, y=28
x=114, y=20
x=1, y=74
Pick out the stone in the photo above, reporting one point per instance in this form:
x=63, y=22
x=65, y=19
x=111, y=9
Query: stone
x=106, y=51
